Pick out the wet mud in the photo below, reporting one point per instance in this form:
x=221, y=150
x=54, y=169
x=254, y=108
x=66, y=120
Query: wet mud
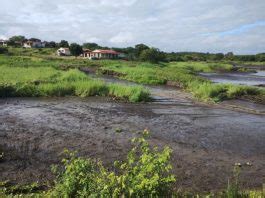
x=206, y=141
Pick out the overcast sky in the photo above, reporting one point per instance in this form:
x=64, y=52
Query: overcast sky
x=171, y=25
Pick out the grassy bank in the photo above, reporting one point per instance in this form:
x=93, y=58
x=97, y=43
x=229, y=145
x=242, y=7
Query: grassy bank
x=48, y=81
x=184, y=76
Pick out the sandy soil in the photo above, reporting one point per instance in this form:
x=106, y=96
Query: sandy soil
x=206, y=140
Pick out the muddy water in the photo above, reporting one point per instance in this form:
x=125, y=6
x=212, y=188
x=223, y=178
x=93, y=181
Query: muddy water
x=206, y=140
x=254, y=79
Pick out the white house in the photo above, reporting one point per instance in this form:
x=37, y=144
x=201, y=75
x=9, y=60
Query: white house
x=3, y=42
x=101, y=54
x=63, y=52
x=34, y=43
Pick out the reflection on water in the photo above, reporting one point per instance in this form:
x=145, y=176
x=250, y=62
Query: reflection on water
x=237, y=78
x=260, y=73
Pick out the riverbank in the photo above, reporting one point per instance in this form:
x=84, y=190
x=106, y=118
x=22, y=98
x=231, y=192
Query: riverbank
x=200, y=137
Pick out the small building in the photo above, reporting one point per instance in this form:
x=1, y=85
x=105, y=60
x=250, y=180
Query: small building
x=101, y=54
x=33, y=43
x=63, y=52
x=87, y=53
x=3, y=42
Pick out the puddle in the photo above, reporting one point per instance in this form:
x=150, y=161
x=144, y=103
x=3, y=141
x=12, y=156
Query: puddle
x=253, y=79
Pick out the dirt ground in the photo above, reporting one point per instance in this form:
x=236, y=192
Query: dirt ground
x=206, y=140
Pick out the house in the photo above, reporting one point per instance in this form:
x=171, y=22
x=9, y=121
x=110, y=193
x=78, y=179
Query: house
x=3, y=42
x=63, y=52
x=101, y=54
x=87, y=53
x=33, y=43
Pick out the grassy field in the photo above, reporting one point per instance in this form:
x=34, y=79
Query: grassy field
x=181, y=74
x=34, y=76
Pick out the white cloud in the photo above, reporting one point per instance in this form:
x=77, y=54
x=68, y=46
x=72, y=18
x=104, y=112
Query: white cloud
x=171, y=25
x=122, y=37
x=93, y=40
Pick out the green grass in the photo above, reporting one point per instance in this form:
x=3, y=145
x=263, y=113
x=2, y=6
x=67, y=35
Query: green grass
x=184, y=75
x=43, y=66
x=27, y=74
x=48, y=81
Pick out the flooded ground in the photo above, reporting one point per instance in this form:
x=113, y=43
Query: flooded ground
x=206, y=140
x=255, y=79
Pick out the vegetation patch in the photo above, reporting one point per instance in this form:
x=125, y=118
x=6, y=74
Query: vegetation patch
x=48, y=81
x=183, y=75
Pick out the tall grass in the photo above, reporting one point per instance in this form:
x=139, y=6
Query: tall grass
x=47, y=82
x=217, y=92
x=183, y=74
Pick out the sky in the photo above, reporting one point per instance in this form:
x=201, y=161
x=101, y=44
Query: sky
x=170, y=25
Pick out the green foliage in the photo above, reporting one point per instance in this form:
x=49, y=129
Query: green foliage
x=75, y=49
x=91, y=46
x=64, y=43
x=145, y=173
x=3, y=50
x=77, y=179
x=152, y=55
x=139, y=48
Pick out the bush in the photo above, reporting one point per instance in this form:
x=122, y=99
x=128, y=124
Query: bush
x=3, y=50
x=145, y=173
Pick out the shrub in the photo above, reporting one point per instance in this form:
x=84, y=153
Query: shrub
x=3, y=50
x=145, y=173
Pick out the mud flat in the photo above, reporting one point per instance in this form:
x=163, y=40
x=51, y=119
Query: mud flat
x=206, y=140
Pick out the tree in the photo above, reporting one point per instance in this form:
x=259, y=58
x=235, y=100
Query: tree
x=64, y=43
x=152, y=55
x=75, y=49
x=139, y=48
x=16, y=40
x=51, y=44
x=91, y=46
x=229, y=56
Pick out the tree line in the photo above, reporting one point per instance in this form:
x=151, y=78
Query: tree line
x=143, y=52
